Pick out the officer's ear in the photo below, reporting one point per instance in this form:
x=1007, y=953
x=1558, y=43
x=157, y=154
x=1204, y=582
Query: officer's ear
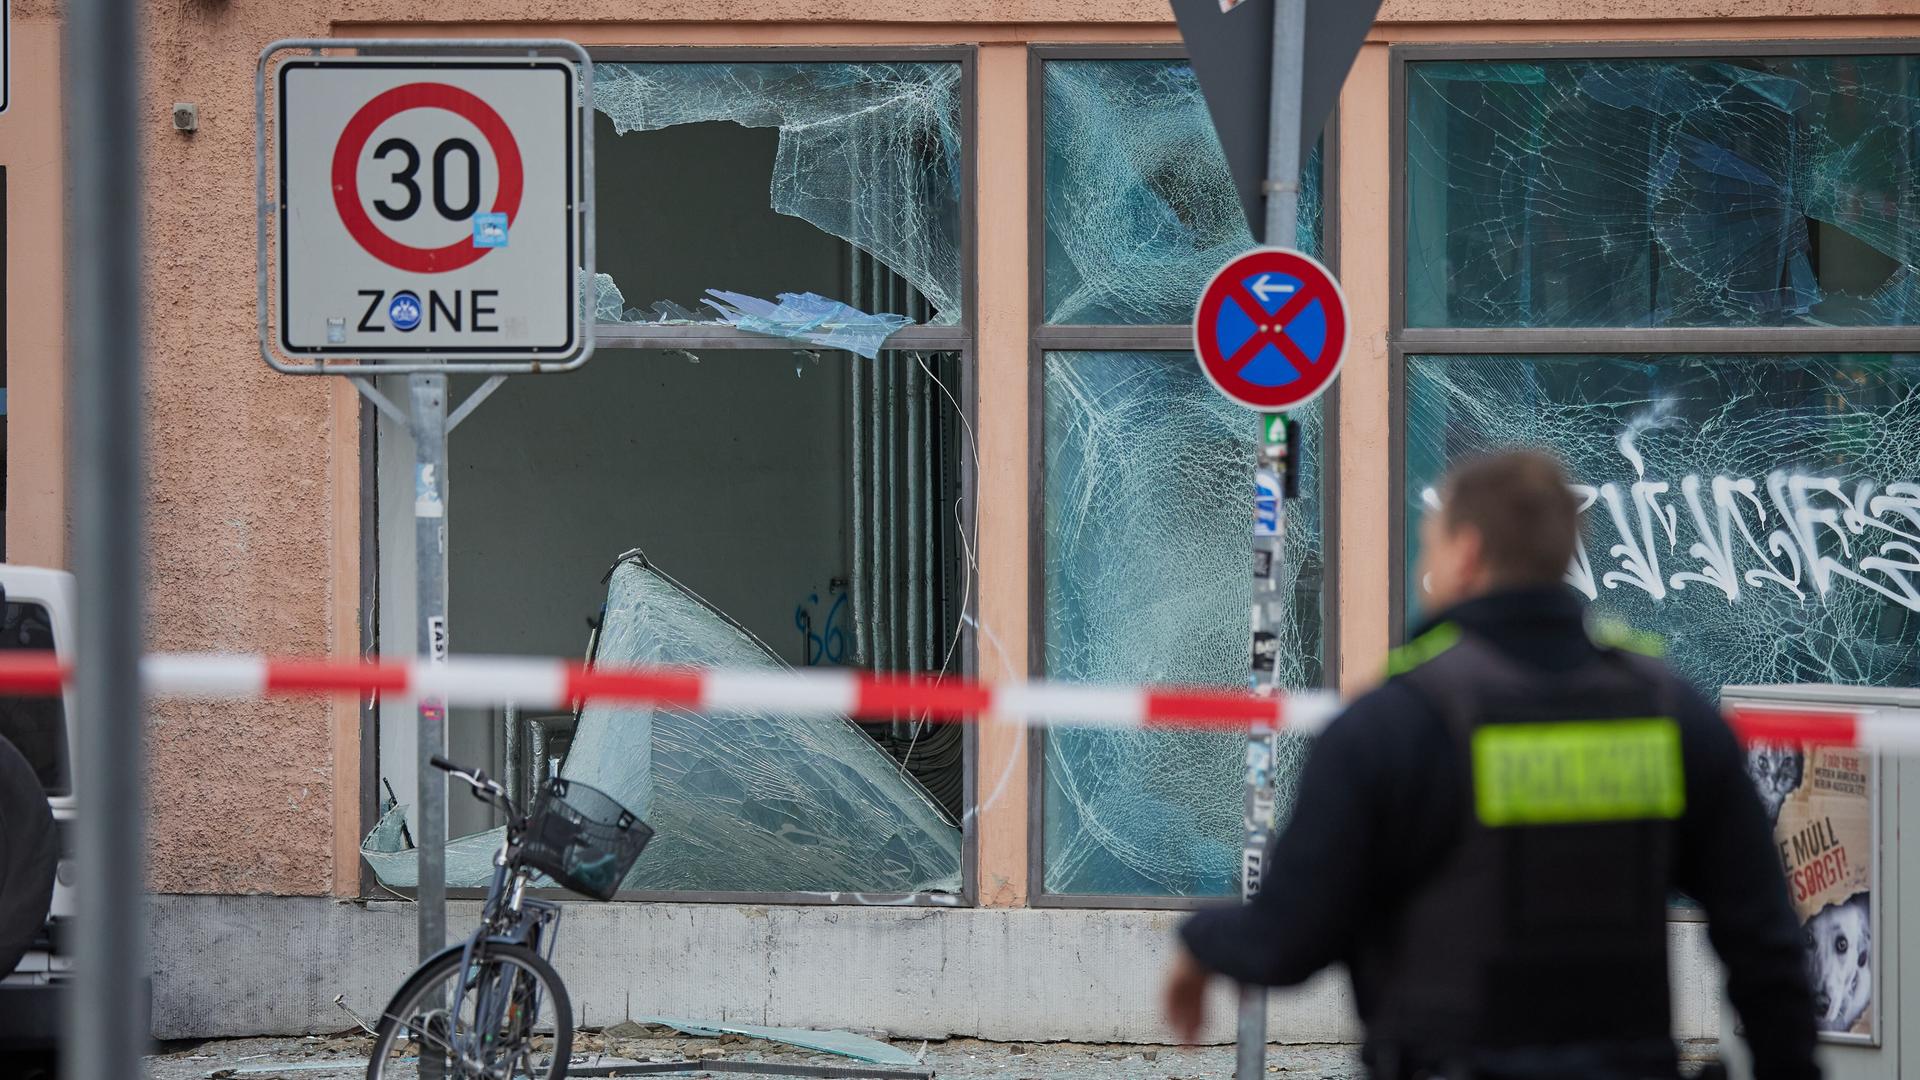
x=1470, y=548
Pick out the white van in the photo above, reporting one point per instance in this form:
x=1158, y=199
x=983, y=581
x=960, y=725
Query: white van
x=38, y=614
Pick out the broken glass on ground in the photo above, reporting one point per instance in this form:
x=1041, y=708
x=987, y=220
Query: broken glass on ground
x=1761, y=513
x=1148, y=519
x=1663, y=192
x=1140, y=207
x=867, y=152
x=843, y=1043
x=740, y=801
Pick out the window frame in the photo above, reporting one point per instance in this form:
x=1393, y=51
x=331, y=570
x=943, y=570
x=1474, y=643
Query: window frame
x=959, y=338
x=1176, y=340
x=1404, y=341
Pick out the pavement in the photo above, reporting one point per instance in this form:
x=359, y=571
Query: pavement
x=338, y=1057
x=344, y=1056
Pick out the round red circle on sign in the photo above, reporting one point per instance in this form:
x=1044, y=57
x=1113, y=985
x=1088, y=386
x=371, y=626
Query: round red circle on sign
x=1270, y=330
x=346, y=173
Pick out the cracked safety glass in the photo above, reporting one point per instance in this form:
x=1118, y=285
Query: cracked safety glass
x=1759, y=513
x=835, y=181
x=1147, y=532
x=1140, y=208
x=1766, y=191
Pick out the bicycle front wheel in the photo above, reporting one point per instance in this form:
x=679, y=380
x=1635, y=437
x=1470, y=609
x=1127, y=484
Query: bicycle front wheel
x=504, y=1017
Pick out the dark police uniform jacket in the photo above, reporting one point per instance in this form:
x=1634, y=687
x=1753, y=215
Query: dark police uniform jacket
x=1485, y=935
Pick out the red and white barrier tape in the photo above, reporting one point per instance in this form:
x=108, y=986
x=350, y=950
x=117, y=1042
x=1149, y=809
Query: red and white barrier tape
x=486, y=681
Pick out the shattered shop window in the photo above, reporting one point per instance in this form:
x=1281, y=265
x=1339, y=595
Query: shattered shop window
x=782, y=498
x=725, y=189
x=1140, y=207
x=1663, y=193
x=775, y=509
x=1761, y=513
x=1147, y=473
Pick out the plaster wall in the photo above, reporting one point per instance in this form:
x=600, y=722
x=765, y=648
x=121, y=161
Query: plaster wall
x=265, y=965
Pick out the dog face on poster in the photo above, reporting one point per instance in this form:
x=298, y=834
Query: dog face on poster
x=1776, y=771
x=1840, y=961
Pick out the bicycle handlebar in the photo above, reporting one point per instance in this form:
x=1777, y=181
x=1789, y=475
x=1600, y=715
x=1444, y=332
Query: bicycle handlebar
x=485, y=788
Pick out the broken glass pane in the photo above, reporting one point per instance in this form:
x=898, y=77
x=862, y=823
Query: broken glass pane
x=1693, y=192
x=807, y=317
x=1148, y=547
x=1140, y=208
x=1762, y=513
x=695, y=153
x=740, y=801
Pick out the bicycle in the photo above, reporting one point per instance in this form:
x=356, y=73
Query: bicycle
x=474, y=1006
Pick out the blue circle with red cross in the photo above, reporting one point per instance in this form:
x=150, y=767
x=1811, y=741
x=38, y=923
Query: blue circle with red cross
x=1271, y=329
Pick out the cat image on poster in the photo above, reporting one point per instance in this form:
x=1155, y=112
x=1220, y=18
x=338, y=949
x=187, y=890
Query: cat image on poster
x=1776, y=771
x=1840, y=962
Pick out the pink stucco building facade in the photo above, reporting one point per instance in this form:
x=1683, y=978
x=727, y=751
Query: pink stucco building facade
x=263, y=513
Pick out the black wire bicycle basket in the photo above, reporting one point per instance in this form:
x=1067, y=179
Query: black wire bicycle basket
x=582, y=838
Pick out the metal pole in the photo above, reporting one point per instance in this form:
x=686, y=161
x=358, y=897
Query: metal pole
x=1283, y=216
x=427, y=396
x=1283, y=121
x=515, y=772
x=107, y=1023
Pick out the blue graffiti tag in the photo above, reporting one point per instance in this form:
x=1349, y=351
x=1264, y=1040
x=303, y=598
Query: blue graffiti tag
x=829, y=646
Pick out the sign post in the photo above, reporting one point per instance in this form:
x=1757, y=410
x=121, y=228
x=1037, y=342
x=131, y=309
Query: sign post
x=432, y=214
x=106, y=1030
x=1283, y=216
x=1270, y=330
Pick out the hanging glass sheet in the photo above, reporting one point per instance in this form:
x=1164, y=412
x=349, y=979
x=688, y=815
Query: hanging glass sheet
x=1140, y=208
x=867, y=152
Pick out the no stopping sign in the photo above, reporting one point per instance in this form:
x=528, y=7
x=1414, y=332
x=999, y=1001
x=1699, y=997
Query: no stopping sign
x=428, y=208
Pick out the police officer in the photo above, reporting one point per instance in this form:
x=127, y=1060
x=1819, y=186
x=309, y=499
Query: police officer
x=1490, y=839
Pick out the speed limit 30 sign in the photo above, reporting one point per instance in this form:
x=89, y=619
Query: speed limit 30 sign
x=429, y=208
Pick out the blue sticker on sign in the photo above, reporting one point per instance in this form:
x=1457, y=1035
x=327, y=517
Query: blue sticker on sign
x=1266, y=503
x=404, y=311
x=489, y=230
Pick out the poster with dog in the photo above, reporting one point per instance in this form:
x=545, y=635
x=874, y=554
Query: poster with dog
x=1821, y=802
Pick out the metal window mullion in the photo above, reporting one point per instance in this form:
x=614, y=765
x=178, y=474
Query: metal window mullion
x=698, y=336
x=1658, y=49
x=1154, y=338
x=1795, y=340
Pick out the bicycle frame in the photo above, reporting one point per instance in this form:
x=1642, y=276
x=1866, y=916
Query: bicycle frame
x=508, y=917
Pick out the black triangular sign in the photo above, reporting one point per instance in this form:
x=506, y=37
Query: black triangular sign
x=1231, y=45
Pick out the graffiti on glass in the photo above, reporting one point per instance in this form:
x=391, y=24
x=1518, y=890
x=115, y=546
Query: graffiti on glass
x=1803, y=533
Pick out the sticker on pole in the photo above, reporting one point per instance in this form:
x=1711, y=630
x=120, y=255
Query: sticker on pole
x=1271, y=329
x=429, y=208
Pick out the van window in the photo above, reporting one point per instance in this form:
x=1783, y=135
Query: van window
x=37, y=726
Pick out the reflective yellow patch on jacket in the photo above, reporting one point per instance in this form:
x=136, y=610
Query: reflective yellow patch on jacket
x=1422, y=649
x=1578, y=771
